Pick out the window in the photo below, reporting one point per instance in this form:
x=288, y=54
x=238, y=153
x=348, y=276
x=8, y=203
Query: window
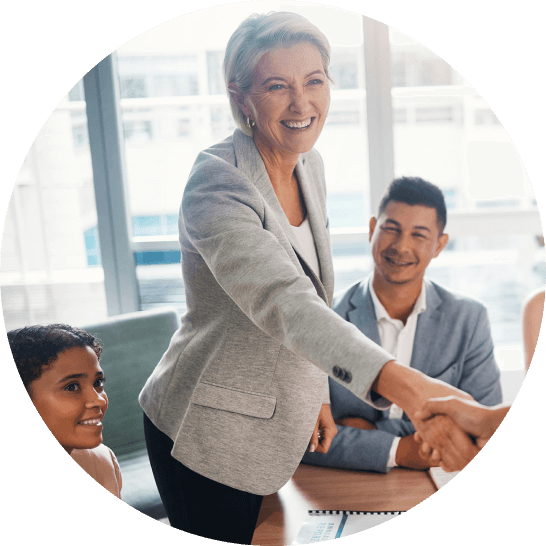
x=174, y=105
x=451, y=137
x=50, y=253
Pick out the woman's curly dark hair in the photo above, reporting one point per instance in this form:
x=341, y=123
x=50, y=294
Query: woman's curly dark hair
x=35, y=348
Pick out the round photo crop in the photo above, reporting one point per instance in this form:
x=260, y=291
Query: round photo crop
x=105, y=115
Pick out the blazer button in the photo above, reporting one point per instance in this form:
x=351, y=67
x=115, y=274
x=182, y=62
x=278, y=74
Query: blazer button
x=348, y=377
x=337, y=371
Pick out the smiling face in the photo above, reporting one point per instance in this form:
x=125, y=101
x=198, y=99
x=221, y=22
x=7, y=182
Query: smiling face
x=404, y=239
x=288, y=100
x=70, y=398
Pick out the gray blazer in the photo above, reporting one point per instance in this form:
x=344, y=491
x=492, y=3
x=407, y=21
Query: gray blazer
x=452, y=343
x=240, y=386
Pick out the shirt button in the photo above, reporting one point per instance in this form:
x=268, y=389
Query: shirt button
x=348, y=377
x=337, y=371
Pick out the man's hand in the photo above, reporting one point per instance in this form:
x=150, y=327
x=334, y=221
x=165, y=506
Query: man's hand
x=408, y=454
x=324, y=432
x=446, y=443
x=355, y=422
x=477, y=420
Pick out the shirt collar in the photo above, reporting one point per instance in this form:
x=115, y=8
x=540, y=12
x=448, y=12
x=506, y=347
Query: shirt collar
x=381, y=312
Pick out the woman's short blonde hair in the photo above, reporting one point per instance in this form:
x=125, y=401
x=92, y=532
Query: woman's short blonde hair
x=255, y=36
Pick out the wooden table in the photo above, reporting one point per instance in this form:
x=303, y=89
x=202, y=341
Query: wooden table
x=315, y=488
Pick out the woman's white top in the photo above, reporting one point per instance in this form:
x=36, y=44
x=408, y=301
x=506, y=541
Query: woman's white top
x=305, y=238
x=306, y=241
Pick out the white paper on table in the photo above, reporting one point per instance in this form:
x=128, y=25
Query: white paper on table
x=323, y=525
x=440, y=477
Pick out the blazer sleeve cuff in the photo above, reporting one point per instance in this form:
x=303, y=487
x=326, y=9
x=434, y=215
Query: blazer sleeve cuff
x=376, y=400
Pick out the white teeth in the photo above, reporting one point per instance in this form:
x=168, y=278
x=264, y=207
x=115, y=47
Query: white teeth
x=90, y=422
x=297, y=124
x=396, y=262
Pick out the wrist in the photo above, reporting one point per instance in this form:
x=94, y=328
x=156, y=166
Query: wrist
x=402, y=386
x=496, y=416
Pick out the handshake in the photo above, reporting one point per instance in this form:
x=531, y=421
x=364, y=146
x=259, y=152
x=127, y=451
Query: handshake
x=450, y=427
x=452, y=430
x=449, y=431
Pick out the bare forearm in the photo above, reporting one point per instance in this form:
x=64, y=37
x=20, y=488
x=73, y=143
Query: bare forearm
x=495, y=416
x=399, y=385
x=409, y=388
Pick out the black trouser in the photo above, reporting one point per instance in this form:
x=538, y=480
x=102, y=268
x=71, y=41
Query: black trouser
x=196, y=504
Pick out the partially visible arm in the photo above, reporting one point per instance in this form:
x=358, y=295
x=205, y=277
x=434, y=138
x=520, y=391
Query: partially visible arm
x=404, y=448
x=355, y=449
x=408, y=454
x=410, y=389
x=324, y=432
x=531, y=321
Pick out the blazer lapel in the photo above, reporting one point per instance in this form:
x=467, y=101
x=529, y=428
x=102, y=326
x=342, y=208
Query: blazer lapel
x=362, y=312
x=428, y=324
x=317, y=220
x=250, y=162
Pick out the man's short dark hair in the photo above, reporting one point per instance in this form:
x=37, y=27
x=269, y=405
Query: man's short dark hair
x=415, y=191
x=35, y=348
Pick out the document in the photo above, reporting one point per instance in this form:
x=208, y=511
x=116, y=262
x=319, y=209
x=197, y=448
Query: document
x=440, y=477
x=324, y=525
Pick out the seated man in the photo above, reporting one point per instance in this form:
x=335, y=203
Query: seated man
x=444, y=335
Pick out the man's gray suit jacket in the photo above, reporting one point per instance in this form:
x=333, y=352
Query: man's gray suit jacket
x=452, y=343
x=240, y=386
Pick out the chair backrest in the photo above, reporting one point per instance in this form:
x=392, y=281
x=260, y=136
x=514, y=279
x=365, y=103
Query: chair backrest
x=133, y=344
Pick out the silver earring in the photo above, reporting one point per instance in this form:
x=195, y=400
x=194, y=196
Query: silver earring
x=250, y=123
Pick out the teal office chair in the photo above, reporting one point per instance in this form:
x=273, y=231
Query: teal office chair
x=132, y=345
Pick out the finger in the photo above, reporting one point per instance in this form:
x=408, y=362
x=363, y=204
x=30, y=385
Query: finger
x=458, y=448
x=450, y=465
x=425, y=451
x=435, y=458
x=326, y=439
x=314, y=442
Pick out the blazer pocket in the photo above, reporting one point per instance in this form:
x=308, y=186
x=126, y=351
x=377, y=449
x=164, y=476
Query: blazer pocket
x=235, y=401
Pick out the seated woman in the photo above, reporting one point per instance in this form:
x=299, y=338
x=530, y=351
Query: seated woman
x=59, y=366
x=533, y=309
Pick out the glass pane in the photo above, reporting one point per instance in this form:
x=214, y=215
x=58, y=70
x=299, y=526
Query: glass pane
x=51, y=268
x=174, y=104
x=446, y=133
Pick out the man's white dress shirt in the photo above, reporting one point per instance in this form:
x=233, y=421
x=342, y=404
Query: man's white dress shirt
x=397, y=339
